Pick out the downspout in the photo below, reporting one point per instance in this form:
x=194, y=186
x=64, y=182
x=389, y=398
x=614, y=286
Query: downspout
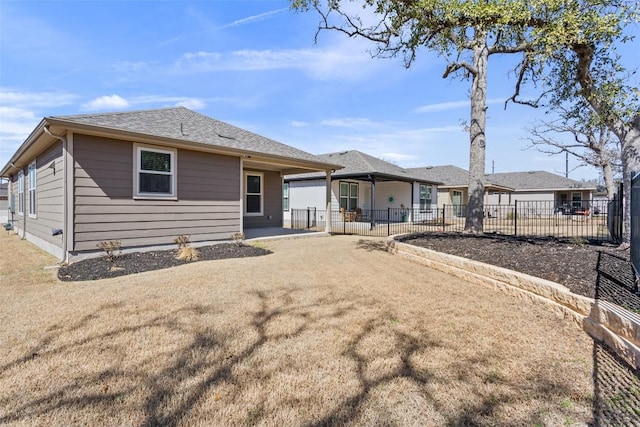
x=65, y=192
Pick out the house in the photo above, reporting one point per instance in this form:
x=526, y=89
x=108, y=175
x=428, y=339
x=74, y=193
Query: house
x=4, y=202
x=146, y=177
x=364, y=183
x=506, y=188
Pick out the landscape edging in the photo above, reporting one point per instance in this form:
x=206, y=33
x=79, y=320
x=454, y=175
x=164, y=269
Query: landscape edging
x=618, y=328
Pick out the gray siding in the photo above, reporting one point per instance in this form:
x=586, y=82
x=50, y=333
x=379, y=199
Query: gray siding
x=207, y=208
x=272, y=204
x=49, y=197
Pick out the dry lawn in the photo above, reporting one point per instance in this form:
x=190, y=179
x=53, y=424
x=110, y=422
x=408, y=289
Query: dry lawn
x=324, y=331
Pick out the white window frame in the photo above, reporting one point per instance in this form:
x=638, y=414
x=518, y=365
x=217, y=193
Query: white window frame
x=261, y=193
x=426, y=207
x=285, y=196
x=32, y=173
x=576, y=203
x=21, y=192
x=137, y=194
x=350, y=199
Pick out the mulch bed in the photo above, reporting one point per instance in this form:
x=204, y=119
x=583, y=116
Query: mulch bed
x=138, y=262
x=589, y=269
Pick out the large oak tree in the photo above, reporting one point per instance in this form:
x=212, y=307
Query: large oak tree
x=467, y=34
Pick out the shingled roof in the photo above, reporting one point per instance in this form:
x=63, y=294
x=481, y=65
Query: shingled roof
x=453, y=176
x=449, y=175
x=358, y=164
x=182, y=124
x=538, y=180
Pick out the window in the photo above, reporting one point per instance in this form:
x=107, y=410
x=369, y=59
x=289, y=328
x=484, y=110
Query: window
x=155, y=172
x=425, y=198
x=348, y=196
x=285, y=196
x=32, y=189
x=21, y=193
x=576, y=200
x=253, y=193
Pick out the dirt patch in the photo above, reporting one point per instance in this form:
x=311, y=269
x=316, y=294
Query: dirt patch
x=574, y=263
x=103, y=268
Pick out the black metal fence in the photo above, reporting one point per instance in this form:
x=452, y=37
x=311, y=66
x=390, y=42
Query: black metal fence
x=587, y=220
x=614, y=218
x=635, y=223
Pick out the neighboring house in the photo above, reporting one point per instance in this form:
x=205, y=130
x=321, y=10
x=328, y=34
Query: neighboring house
x=146, y=177
x=505, y=188
x=366, y=184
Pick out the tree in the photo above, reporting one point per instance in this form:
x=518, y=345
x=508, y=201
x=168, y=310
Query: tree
x=466, y=34
x=590, y=143
x=587, y=69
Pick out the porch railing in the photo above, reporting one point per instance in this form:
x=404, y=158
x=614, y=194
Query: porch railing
x=586, y=220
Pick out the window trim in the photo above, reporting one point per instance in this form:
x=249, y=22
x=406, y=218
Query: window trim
x=261, y=193
x=21, y=192
x=285, y=196
x=173, y=152
x=33, y=183
x=576, y=203
x=425, y=209
x=349, y=197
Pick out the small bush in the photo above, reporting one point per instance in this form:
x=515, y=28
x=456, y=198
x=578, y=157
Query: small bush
x=238, y=238
x=111, y=249
x=182, y=241
x=188, y=253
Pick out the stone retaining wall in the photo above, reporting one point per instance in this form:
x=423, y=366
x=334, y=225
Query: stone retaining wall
x=618, y=328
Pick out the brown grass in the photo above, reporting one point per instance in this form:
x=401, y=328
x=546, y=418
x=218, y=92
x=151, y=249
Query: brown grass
x=325, y=331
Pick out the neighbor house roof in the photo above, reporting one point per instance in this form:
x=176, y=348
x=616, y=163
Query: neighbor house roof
x=453, y=176
x=180, y=125
x=357, y=164
x=449, y=175
x=538, y=180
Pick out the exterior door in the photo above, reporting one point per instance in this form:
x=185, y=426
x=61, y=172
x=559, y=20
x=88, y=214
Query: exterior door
x=456, y=199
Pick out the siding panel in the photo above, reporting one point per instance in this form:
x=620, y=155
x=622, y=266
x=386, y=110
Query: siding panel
x=272, y=206
x=207, y=205
x=49, y=196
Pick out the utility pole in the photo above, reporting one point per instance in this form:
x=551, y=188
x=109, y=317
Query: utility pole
x=566, y=164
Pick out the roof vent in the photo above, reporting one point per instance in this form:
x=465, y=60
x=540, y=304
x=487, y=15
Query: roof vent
x=429, y=167
x=343, y=152
x=226, y=137
x=532, y=172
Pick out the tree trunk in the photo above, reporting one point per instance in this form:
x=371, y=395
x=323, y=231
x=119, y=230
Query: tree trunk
x=630, y=166
x=475, y=203
x=607, y=175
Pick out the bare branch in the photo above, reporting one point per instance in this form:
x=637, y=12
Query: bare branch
x=455, y=66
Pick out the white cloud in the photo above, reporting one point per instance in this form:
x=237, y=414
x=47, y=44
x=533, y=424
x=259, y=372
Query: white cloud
x=399, y=157
x=253, y=18
x=452, y=105
x=299, y=124
x=192, y=104
x=34, y=100
x=107, y=102
x=348, y=122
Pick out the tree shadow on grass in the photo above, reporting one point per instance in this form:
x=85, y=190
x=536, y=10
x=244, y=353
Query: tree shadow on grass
x=213, y=355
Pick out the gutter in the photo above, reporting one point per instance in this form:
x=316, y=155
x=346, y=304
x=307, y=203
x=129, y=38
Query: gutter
x=65, y=191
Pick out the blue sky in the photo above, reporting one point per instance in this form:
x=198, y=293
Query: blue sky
x=253, y=64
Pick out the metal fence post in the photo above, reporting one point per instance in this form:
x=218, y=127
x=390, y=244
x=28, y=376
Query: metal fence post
x=515, y=218
x=444, y=210
x=388, y=221
x=308, y=215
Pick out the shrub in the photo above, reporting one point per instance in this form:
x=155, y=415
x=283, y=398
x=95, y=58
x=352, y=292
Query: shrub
x=111, y=249
x=188, y=253
x=238, y=238
x=182, y=241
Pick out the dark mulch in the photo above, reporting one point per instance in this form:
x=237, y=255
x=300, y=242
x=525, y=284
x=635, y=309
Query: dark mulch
x=102, y=268
x=590, y=269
